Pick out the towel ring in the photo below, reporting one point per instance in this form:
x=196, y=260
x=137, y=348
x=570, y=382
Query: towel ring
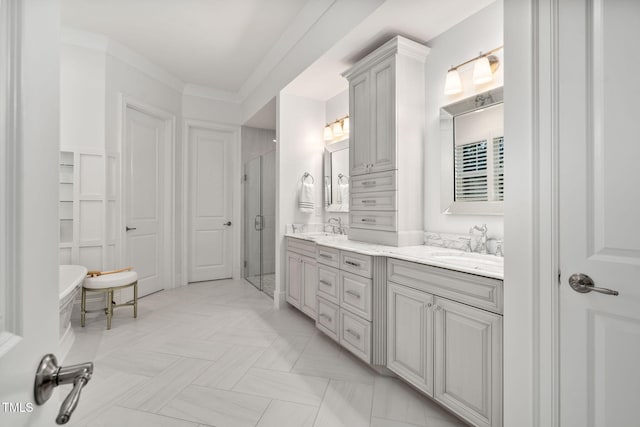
x=340, y=176
x=308, y=175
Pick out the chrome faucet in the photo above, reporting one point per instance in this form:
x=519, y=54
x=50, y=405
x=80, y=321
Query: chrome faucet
x=339, y=227
x=483, y=238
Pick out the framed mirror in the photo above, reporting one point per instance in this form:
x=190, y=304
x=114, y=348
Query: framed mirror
x=472, y=147
x=336, y=176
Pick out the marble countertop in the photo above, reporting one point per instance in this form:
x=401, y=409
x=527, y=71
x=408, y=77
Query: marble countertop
x=452, y=259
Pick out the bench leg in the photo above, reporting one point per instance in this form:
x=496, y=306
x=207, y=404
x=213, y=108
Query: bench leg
x=83, y=307
x=135, y=300
x=109, y=308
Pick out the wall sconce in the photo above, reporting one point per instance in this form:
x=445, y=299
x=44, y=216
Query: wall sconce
x=337, y=129
x=485, y=65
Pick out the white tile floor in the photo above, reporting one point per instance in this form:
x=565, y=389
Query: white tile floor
x=218, y=354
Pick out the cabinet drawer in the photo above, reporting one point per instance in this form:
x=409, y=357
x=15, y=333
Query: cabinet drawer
x=329, y=256
x=355, y=335
x=379, y=181
x=379, y=200
x=328, y=281
x=356, y=263
x=303, y=247
x=355, y=294
x=328, y=318
x=384, y=221
x=478, y=291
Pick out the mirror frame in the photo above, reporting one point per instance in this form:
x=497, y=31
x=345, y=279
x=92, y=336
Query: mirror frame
x=329, y=149
x=447, y=181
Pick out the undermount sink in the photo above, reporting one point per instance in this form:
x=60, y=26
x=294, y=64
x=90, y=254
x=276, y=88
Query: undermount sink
x=472, y=260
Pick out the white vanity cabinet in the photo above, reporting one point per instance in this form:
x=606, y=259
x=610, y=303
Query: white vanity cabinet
x=387, y=121
x=452, y=351
x=302, y=275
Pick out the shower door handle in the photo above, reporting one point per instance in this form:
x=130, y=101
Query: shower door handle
x=258, y=223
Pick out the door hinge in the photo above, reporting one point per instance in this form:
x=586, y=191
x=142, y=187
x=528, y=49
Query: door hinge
x=245, y=264
x=559, y=277
x=245, y=178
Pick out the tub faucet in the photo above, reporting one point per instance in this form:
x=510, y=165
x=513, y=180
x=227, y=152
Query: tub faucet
x=483, y=238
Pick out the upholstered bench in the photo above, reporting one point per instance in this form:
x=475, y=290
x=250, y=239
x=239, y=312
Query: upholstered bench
x=109, y=281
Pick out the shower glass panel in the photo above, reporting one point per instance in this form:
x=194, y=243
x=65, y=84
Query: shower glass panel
x=260, y=235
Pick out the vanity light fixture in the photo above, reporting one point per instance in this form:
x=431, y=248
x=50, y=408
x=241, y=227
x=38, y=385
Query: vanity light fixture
x=485, y=64
x=336, y=129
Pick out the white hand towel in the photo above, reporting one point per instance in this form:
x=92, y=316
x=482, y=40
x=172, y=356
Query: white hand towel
x=305, y=202
x=343, y=193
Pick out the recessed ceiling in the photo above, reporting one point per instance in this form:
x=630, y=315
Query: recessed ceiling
x=213, y=43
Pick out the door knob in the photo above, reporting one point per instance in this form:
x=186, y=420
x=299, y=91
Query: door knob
x=49, y=375
x=228, y=223
x=584, y=284
x=127, y=228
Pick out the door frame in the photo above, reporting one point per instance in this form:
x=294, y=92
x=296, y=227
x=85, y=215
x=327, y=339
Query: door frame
x=168, y=206
x=531, y=294
x=236, y=188
x=10, y=322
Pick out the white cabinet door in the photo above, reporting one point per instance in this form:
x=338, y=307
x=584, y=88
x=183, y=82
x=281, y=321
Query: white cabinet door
x=293, y=279
x=360, y=118
x=382, y=154
x=468, y=361
x=309, y=285
x=410, y=336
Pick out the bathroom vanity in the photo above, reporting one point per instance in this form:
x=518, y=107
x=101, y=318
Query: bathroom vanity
x=431, y=315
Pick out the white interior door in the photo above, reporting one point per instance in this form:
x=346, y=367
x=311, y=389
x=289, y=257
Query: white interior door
x=599, y=212
x=210, y=204
x=145, y=137
x=29, y=292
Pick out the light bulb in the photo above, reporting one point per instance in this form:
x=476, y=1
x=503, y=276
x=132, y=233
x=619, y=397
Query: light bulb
x=453, y=84
x=345, y=125
x=336, y=129
x=482, y=71
x=328, y=136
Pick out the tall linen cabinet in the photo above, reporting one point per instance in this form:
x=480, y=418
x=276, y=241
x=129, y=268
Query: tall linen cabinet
x=386, y=144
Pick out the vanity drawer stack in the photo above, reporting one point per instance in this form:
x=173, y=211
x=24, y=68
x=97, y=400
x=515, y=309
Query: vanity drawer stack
x=344, y=299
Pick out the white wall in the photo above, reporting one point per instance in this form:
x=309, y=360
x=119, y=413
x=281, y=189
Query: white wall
x=82, y=98
x=480, y=32
x=299, y=150
x=211, y=110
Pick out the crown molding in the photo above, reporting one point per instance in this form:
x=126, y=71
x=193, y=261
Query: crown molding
x=397, y=45
x=212, y=93
x=102, y=43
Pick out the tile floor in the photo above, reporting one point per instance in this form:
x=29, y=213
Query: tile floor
x=218, y=354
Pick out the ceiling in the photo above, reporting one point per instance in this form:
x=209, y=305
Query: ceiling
x=418, y=20
x=213, y=43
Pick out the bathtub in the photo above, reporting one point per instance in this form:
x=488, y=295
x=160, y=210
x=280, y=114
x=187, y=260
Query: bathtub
x=70, y=279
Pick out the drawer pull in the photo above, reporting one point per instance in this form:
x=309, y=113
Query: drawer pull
x=326, y=256
x=368, y=220
x=354, y=334
x=369, y=201
x=355, y=264
x=367, y=183
x=324, y=282
x=325, y=316
x=353, y=294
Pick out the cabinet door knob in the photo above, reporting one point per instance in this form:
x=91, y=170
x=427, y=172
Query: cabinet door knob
x=429, y=304
x=438, y=308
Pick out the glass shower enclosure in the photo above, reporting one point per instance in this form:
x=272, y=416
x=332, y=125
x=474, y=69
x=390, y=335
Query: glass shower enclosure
x=259, y=222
